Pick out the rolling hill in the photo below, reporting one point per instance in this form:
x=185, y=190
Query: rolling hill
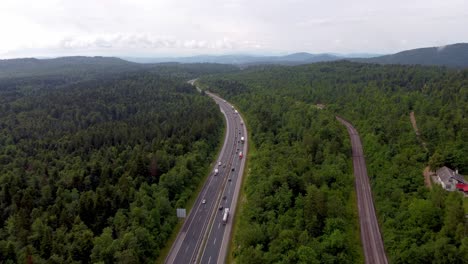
x=455, y=55
x=291, y=59
x=77, y=65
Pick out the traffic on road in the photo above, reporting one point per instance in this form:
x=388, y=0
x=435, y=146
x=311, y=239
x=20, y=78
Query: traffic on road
x=206, y=231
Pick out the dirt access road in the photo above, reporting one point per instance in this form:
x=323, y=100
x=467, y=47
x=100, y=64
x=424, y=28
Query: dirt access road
x=427, y=173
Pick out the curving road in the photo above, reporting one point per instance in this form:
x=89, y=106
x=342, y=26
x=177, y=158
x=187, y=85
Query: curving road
x=204, y=237
x=371, y=238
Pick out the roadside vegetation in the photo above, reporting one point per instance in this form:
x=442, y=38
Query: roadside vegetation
x=300, y=206
x=92, y=171
x=94, y=160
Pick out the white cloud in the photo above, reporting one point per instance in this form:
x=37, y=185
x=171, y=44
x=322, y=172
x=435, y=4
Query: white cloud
x=148, y=41
x=158, y=27
x=143, y=44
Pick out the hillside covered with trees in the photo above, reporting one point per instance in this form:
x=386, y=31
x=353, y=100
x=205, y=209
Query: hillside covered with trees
x=80, y=68
x=454, y=55
x=92, y=170
x=299, y=196
x=94, y=160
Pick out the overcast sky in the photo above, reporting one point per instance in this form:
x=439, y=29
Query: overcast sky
x=193, y=27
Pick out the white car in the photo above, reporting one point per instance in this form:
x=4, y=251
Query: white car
x=203, y=201
x=219, y=163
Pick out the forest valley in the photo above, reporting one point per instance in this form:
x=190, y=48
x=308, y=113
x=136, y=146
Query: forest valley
x=94, y=162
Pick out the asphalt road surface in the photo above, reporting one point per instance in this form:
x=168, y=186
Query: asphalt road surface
x=374, y=252
x=204, y=237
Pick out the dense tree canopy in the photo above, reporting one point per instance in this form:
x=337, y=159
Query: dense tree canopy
x=92, y=171
x=299, y=192
x=95, y=159
x=300, y=201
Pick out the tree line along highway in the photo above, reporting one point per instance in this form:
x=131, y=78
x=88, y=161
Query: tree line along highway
x=205, y=234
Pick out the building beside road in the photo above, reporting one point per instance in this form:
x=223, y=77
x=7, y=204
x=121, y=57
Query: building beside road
x=448, y=178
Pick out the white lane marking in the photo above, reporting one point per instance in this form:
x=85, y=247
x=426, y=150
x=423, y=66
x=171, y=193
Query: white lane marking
x=186, y=249
x=209, y=260
x=219, y=225
x=214, y=242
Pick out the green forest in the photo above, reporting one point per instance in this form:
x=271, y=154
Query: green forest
x=299, y=194
x=96, y=154
x=92, y=171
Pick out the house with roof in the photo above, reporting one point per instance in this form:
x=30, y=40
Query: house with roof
x=448, y=178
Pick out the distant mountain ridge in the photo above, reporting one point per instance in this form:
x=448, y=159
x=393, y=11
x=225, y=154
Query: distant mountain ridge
x=80, y=68
x=291, y=59
x=74, y=65
x=455, y=55
x=62, y=61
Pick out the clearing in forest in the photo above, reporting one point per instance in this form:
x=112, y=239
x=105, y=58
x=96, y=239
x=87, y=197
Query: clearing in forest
x=416, y=130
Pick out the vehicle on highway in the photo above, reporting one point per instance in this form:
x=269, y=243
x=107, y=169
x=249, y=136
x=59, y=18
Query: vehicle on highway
x=240, y=155
x=225, y=215
x=242, y=123
x=235, y=112
x=242, y=139
x=196, y=243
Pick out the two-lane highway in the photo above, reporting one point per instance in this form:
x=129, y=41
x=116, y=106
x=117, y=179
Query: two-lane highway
x=204, y=236
x=371, y=238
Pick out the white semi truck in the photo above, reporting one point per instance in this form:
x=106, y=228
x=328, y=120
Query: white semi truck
x=225, y=215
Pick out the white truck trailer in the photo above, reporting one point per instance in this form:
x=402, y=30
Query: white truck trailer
x=225, y=215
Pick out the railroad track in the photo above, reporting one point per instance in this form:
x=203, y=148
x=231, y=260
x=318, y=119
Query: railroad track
x=374, y=251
